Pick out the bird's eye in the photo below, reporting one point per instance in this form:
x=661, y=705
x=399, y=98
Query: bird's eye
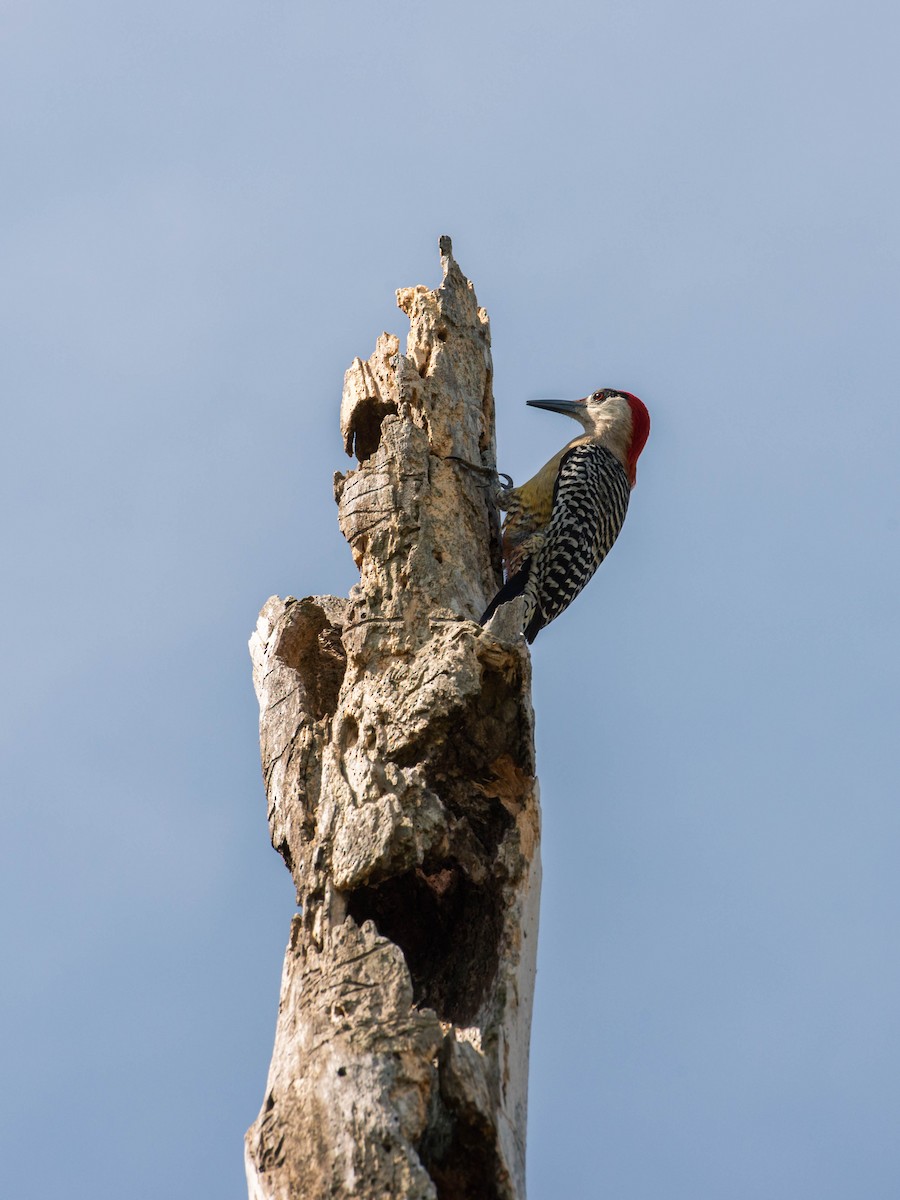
x=598, y=396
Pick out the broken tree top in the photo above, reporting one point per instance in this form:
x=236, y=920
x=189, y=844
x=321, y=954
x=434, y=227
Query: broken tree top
x=412, y=512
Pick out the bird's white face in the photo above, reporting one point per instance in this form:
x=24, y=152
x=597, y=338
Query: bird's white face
x=606, y=416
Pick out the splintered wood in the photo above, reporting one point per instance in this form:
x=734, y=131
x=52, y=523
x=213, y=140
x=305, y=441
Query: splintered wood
x=398, y=758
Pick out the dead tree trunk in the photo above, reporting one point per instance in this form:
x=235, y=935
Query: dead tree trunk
x=398, y=757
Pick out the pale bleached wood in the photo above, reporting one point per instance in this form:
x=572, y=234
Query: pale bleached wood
x=398, y=757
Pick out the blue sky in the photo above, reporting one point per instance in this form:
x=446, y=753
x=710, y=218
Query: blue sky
x=206, y=210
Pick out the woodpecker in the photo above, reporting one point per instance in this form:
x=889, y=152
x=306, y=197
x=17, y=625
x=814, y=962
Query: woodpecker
x=560, y=525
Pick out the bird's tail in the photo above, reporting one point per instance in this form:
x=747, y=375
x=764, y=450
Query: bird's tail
x=513, y=587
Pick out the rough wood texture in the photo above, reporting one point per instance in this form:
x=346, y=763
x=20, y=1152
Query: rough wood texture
x=398, y=758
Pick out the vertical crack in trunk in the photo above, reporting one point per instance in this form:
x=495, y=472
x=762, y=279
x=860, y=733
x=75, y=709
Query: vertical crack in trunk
x=398, y=757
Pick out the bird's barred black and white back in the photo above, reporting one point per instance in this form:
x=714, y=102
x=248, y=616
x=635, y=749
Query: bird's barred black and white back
x=589, y=505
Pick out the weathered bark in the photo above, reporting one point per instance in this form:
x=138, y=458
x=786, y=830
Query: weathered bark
x=398, y=757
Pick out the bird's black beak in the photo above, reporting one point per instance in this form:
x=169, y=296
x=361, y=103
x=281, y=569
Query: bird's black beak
x=570, y=407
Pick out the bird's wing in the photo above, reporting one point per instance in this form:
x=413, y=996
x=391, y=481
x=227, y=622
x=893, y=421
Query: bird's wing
x=589, y=505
